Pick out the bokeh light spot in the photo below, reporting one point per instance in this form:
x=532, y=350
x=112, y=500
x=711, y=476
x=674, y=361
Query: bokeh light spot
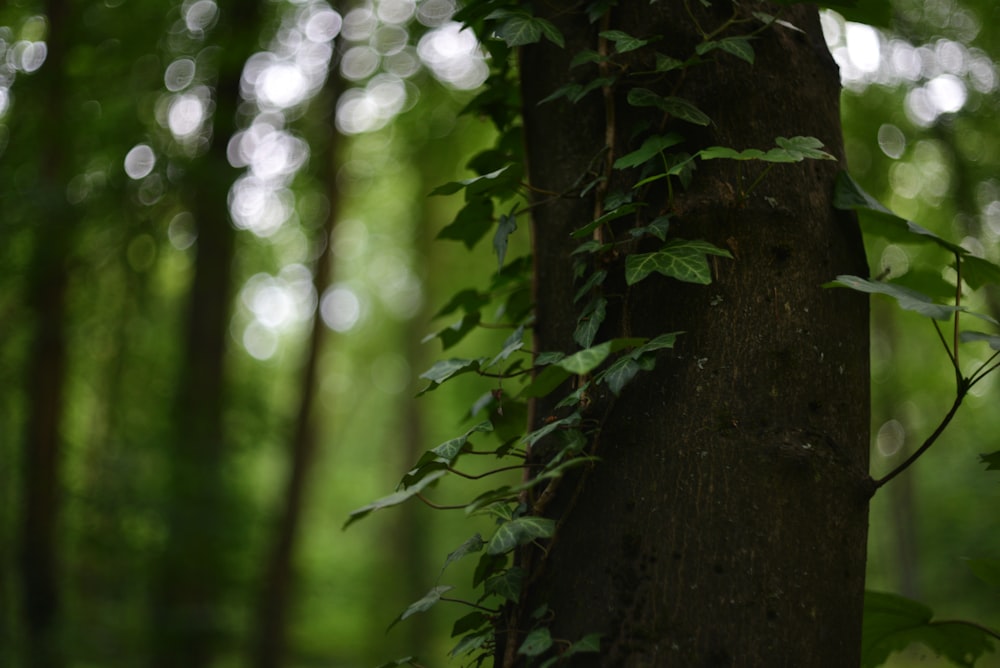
x=139, y=161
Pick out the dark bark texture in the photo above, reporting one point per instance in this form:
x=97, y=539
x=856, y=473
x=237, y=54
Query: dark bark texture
x=726, y=523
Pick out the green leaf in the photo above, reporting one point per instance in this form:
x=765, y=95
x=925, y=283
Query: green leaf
x=620, y=373
x=512, y=344
x=552, y=33
x=881, y=221
x=537, y=642
x=623, y=41
x=456, y=331
x=987, y=570
x=675, y=106
x=590, y=321
x=650, y=148
x=800, y=147
x=476, y=184
x=545, y=381
x=405, y=661
x=588, y=643
x=714, y=152
x=449, y=368
x=892, y=623
x=585, y=361
x=908, y=299
x=613, y=214
x=680, y=259
x=470, y=622
x=991, y=460
x=505, y=227
x=467, y=300
x=978, y=272
x=472, y=642
x=595, y=279
x=471, y=223
x=519, y=531
x=393, y=499
x=540, y=433
x=737, y=46
x=471, y=546
x=587, y=56
x=666, y=63
x=992, y=339
x=519, y=29
x=506, y=585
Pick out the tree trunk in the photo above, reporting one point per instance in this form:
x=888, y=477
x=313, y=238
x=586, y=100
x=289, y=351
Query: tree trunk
x=46, y=369
x=196, y=562
x=726, y=523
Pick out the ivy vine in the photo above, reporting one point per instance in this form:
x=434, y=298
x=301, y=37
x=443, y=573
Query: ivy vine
x=515, y=375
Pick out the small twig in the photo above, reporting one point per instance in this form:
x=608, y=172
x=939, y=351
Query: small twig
x=963, y=388
x=470, y=604
x=439, y=507
x=469, y=476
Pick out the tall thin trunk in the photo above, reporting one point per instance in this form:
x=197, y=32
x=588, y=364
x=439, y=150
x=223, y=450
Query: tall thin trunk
x=193, y=569
x=46, y=370
x=278, y=585
x=726, y=522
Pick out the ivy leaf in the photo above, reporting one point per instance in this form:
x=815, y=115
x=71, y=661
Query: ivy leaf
x=468, y=300
x=623, y=41
x=519, y=531
x=443, y=455
x=507, y=584
x=472, y=642
x=590, y=321
x=470, y=622
x=595, y=279
x=393, y=499
x=471, y=546
x=537, y=435
x=476, y=184
x=586, y=360
x=650, y=148
x=513, y=343
x=737, y=46
x=505, y=227
x=680, y=259
x=518, y=28
x=471, y=223
x=666, y=63
x=423, y=605
x=892, y=623
x=908, y=299
x=588, y=643
x=675, y=106
x=448, y=368
x=991, y=460
x=405, y=661
x=620, y=373
x=457, y=331
x=613, y=214
x=537, y=642
x=978, y=272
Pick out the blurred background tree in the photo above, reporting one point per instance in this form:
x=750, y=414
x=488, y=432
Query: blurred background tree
x=216, y=271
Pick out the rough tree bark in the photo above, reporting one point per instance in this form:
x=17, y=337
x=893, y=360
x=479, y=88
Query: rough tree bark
x=726, y=524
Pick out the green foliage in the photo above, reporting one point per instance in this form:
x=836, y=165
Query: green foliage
x=893, y=623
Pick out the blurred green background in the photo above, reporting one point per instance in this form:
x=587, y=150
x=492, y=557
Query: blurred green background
x=182, y=436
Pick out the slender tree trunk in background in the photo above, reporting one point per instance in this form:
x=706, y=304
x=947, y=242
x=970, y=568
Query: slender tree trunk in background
x=726, y=523
x=195, y=564
x=277, y=591
x=46, y=369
